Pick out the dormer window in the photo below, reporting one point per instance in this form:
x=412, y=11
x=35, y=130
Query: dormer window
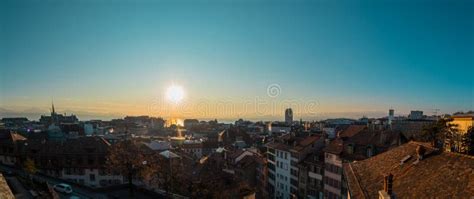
x=350, y=149
x=370, y=151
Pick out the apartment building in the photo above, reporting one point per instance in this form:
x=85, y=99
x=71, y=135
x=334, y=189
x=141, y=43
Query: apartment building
x=284, y=155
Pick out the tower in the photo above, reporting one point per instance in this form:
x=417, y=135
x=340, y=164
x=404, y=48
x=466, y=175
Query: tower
x=391, y=114
x=289, y=116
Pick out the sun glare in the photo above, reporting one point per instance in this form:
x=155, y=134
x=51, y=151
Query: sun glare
x=175, y=93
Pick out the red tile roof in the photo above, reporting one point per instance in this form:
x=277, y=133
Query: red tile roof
x=352, y=130
x=335, y=147
x=287, y=143
x=437, y=175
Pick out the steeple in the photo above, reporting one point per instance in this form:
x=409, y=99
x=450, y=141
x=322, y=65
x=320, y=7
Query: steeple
x=52, y=108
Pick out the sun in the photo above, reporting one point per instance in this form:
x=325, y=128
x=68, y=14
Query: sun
x=175, y=94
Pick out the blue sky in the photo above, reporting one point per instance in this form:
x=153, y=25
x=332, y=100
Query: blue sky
x=113, y=58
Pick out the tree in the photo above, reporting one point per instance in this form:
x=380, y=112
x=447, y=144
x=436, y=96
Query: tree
x=167, y=174
x=30, y=167
x=128, y=159
x=439, y=133
x=469, y=140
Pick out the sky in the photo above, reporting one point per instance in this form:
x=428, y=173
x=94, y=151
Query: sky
x=236, y=58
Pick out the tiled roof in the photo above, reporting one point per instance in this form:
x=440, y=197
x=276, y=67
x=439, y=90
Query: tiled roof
x=335, y=147
x=309, y=140
x=7, y=136
x=236, y=153
x=437, y=175
x=352, y=130
x=374, y=137
x=279, y=146
x=463, y=116
x=5, y=191
x=287, y=142
x=82, y=145
x=247, y=161
x=381, y=140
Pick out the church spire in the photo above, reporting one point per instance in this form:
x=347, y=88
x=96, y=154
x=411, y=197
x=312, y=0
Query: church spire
x=52, y=108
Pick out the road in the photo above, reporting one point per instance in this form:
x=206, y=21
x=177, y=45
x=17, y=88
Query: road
x=78, y=192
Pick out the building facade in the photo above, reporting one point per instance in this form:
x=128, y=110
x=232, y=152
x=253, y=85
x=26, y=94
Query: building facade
x=284, y=156
x=81, y=160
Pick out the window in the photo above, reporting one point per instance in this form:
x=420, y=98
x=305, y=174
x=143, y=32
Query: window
x=271, y=166
x=294, y=172
x=271, y=157
x=333, y=168
x=103, y=183
x=294, y=182
x=332, y=182
x=90, y=161
x=102, y=172
x=271, y=176
x=370, y=152
x=92, y=177
x=285, y=166
x=350, y=149
x=294, y=163
x=271, y=150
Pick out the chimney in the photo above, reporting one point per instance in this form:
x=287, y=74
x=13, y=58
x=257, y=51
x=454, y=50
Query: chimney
x=387, y=192
x=420, y=151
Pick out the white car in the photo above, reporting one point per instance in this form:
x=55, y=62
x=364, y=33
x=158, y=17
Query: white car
x=62, y=187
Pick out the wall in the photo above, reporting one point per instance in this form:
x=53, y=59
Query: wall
x=7, y=160
x=282, y=174
x=86, y=178
x=332, y=159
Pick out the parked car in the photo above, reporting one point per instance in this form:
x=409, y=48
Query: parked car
x=62, y=187
x=9, y=173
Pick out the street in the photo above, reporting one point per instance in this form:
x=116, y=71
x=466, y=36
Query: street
x=78, y=192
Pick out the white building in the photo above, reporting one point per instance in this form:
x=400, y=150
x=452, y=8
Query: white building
x=91, y=177
x=332, y=173
x=283, y=156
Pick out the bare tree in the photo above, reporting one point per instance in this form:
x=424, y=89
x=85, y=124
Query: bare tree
x=128, y=159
